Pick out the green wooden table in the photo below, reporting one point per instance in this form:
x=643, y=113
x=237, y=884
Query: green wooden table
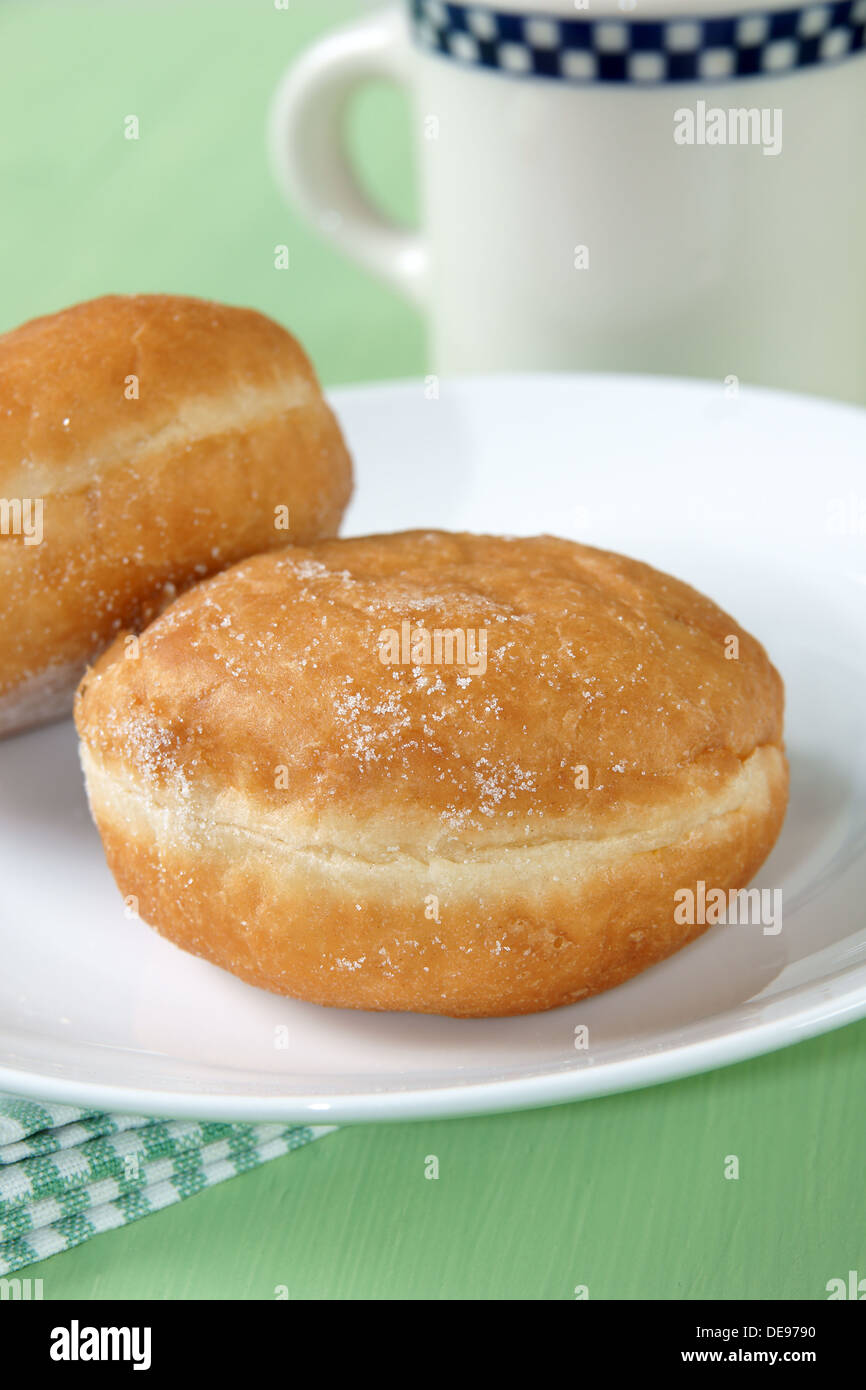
x=626, y=1195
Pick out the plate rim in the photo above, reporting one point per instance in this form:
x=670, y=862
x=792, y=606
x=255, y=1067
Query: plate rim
x=478, y=1098
x=770, y=394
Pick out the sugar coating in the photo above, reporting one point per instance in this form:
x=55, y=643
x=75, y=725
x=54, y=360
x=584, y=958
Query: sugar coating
x=591, y=660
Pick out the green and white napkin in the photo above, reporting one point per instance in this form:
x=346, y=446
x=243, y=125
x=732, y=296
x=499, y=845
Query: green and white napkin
x=68, y=1174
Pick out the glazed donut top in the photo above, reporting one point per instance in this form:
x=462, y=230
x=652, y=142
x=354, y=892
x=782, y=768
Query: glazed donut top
x=591, y=694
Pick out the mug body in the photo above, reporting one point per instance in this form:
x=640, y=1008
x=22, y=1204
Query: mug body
x=682, y=195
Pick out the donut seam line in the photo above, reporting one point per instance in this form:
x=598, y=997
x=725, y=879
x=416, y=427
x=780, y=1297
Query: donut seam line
x=253, y=409
x=497, y=857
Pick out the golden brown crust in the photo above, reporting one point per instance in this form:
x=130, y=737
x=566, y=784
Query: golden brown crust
x=285, y=804
x=144, y=494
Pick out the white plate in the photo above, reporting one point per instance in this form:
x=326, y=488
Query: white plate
x=761, y=501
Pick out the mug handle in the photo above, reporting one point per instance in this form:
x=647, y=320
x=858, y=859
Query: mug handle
x=309, y=154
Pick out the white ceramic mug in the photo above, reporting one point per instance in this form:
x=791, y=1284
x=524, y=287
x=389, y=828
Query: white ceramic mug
x=579, y=207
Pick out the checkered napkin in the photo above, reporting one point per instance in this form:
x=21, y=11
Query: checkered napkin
x=68, y=1174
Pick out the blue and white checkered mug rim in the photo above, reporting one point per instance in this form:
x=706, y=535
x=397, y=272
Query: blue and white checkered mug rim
x=618, y=47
